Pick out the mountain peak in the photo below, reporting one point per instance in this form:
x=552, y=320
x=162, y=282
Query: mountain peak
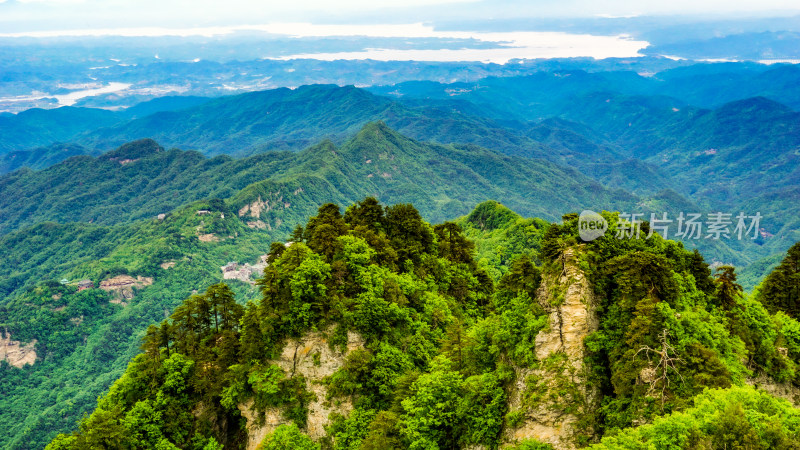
x=761, y=106
x=378, y=140
x=491, y=215
x=373, y=132
x=141, y=148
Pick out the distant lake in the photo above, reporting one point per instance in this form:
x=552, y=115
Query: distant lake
x=74, y=96
x=515, y=45
x=508, y=45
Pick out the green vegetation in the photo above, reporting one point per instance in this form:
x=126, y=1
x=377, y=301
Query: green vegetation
x=443, y=344
x=125, y=238
x=142, y=180
x=449, y=314
x=616, y=128
x=501, y=235
x=411, y=290
x=667, y=331
x=739, y=417
x=83, y=341
x=780, y=291
x=39, y=127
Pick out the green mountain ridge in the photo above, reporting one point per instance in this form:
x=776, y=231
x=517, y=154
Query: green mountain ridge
x=147, y=181
x=606, y=136
x=443, y=180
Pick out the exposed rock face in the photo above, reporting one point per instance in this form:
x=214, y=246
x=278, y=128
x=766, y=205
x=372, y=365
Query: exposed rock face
x=786, y=391
x=14, y=352
x=259, y=224
x=554, y=394
x=312, y=357
x=209, y=237
x=122, y=286
x=244, y=272
x=256, y=208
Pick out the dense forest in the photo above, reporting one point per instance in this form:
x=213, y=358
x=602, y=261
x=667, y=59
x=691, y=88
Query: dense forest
x=375, y=329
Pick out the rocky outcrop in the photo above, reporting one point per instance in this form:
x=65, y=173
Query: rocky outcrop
x=255, y=208
x=208, y=237
x=553, y=395
x=244, y=272
x=259, y=225
x=312, y=357
x=122, y=287
x=786, y=390
x=15, y=352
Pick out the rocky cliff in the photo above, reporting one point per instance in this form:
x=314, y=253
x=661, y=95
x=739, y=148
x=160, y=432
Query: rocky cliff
x=553, y=396
x=16, y=353
x=312, y=357
x=123, y=286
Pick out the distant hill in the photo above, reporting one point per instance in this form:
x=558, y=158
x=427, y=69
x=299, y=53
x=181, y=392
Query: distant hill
x=40, y=127
x=40, y=157
x=166, y=103
x=624, y=130
x=142, y=179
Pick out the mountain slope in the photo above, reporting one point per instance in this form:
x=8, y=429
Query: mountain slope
x=286, y=119
x=141, y=179
x=444, y=181
x=275, y=119
x=84, y=338
x=184, y=250
x=40, y=157
x=39, y=127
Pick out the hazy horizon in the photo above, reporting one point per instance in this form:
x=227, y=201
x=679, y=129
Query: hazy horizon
x=47, y=18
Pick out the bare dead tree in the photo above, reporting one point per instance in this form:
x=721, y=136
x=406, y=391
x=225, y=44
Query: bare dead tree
x=666, y=359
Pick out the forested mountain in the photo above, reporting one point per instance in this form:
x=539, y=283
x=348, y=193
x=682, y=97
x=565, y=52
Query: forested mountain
x=40, y=127
x=540, y=95
x=374, y=329
x=634, y=143
x=141, y=179
x=40, y=157
x=622, y=129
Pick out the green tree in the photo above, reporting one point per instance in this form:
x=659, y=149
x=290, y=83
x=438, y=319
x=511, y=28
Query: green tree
x=453, y=245
x=728, y=290
x=287, y=437
x=780, y=291
x=368, y=213
x=322, y=231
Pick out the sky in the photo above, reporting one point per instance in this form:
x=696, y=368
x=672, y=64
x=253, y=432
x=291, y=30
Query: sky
x=29, y=16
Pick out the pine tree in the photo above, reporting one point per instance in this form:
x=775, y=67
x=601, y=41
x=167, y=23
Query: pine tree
x=781, y=289
x=701, y=272
x=728, y=290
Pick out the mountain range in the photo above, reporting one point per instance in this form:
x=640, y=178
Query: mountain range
x=109, y=219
